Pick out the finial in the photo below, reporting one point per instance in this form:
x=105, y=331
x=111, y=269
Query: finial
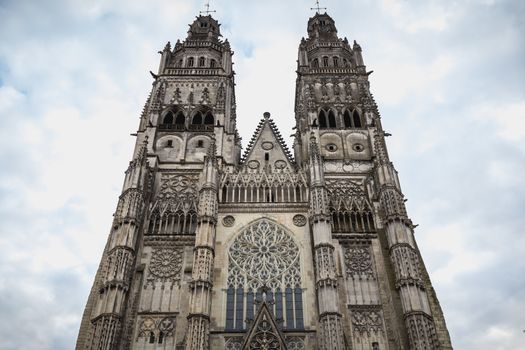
x=266, y=115
x=317, y=7
x=207, y=11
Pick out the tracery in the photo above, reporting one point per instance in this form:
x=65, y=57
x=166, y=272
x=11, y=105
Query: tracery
x=264, y=256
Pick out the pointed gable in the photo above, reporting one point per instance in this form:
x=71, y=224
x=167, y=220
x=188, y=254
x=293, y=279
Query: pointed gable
x=264, y=333
x=267, y=146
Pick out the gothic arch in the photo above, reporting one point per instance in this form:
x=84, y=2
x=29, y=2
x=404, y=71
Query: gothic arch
x=264, y=255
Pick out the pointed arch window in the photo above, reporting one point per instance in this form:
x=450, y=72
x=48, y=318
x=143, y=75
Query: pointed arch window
x=264, y=256
x=325, y=61
x=336, y=61
x=202, y=61
x=213, y=63
x=347, y=119
x=208, y=119
x=315, y=63
x=168, y=118
x=331, y=120
x=190, y=62
x=356, y=118
x=197, y=118
x=322, y=120
x=180, y=119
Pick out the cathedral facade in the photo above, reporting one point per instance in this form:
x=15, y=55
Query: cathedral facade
x=213, y=247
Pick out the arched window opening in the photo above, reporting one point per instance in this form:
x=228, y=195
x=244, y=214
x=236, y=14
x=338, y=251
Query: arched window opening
x=168, y=118
x=345, y=62
x=179, y=64
x=315, y=63
x=347, y=119
x=208, y=119
x=202, y=61
x=331, y=120
x=190, y=62
x=275, y=270
x=161, y=337
x=213, y=63
x=357, y=119
x=180, y=119
x=169, y=144
x=151, y=338
x=197, y=119
x=200, y=144
x=325, y=61
x=322, y=120
x=336, y=61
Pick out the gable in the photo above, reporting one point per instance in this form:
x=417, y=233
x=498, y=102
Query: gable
x=267, y=147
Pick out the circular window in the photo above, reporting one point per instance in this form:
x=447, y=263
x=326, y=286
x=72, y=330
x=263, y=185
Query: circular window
x=331, y=147
x=267, y=145
x=228, y=221
x=253, y=164
x=280, y=164
x=358, y=147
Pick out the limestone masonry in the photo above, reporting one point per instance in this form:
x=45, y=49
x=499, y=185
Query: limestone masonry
x=214, y=249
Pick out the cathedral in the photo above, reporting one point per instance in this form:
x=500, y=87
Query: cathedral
x=213, y=246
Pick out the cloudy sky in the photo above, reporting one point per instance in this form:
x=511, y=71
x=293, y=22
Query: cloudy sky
x=449, y=78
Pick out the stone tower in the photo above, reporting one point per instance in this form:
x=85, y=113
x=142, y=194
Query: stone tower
x=213, y=250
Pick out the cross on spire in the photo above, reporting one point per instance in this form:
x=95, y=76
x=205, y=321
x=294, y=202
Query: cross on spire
x=317, y=7
x=207, y=11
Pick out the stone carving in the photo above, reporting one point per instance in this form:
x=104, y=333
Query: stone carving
x=299, y=220
x=253, y=164
x=166, y=264
x=295, y=343
x=155, y=327
x=233, y=343
x=176, y=99
x=265, y=337
x=228, y=221
x=205, y=97
x=358, y=260
x=264, y=254
x=280, y=164
x=367, y=321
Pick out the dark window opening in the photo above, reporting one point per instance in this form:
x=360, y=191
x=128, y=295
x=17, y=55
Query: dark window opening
x=190, y=62
x=204, y=24
x=200, y=144
x=169, y=143
x=290, y=324
x=279, y=305
x=331, y=120
x=213, y=63
x=299, y=321
x=345, y=62
x=322, y=120
x=325, y=61
x=151, y=337
x=202, y=61
x=267, y=156
x=249, y=305
x=208, y=119
x=315, y=63
x=347, y=119
x=375, y=346
x=180, y=63
x=239, y=322
x=197, y=118
x=161, y=337
x=357, y=119
x=168, y=118
x=230, y=307
x=336, y=61
x=180, y=119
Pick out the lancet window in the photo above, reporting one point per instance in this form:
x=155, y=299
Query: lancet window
x=202, y=121
x=352, y=119
x=279, y=186
x=172, y=120
x=327, y=119
x=263, y=261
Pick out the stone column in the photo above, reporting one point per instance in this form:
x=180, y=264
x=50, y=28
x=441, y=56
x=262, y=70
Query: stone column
x=330, y=319
x=404, y=254
x=114, y=278
x=204, y=253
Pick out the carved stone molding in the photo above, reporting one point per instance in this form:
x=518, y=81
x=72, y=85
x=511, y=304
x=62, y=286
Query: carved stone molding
x=166, y=264
x=228, y=221
x=299, y=220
